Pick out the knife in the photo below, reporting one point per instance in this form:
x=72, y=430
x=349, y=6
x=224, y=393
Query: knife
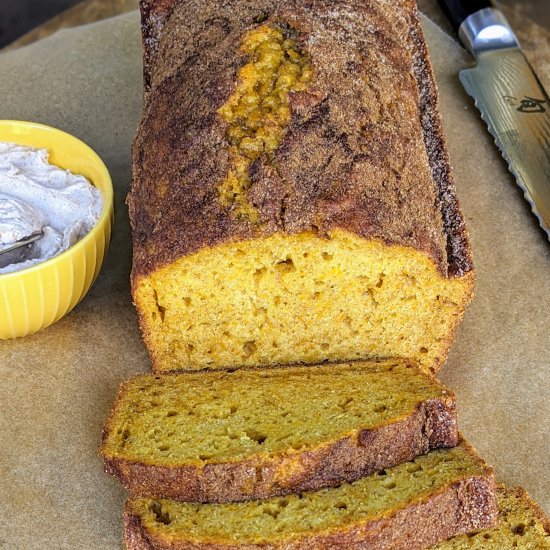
x=510, y=97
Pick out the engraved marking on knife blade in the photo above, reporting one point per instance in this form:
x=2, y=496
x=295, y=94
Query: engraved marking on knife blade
x=527, y=104
x=538, y=127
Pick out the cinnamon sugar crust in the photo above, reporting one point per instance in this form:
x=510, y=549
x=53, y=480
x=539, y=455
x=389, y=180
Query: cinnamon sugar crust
x=363, y=150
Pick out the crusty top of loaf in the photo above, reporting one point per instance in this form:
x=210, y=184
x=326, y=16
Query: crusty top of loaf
x=363, y=150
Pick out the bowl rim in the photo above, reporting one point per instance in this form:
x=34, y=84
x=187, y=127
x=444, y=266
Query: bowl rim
x=107, y=210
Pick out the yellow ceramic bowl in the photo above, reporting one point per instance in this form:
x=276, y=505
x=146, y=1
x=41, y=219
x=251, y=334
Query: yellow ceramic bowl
x=34, y=298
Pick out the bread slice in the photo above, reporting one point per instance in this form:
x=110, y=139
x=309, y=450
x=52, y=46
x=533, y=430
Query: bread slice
x=249, y=434
x=292, y=199
x=407, y=507
x=521, y=525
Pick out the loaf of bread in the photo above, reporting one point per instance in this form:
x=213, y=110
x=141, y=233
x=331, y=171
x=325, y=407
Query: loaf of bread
x=292, y=199
x=232, y=436
x=408, y=507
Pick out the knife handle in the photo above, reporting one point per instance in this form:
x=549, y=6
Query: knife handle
x=479, y=26
x=458, y=10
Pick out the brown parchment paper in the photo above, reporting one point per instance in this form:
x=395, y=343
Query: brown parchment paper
x=57, y=386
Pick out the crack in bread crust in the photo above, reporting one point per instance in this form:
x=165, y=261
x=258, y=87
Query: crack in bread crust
x=258, y=112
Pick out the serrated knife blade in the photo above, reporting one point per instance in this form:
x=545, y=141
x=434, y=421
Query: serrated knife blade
x=510, y=98
x=516, y=110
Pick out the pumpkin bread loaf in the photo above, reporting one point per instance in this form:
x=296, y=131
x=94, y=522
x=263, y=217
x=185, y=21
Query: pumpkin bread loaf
x=292, y=199
x=231, y=436
x=407, y=507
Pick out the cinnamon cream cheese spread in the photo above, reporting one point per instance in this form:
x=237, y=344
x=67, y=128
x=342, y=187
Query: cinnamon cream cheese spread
x=36, y=196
